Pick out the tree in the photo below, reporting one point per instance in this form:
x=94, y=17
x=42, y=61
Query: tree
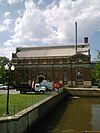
x=96, y=71
x=3, y=62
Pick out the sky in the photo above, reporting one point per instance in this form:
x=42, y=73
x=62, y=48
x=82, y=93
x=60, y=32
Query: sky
x=26, y=23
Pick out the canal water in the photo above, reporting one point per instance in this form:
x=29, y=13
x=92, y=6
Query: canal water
x=73, y=115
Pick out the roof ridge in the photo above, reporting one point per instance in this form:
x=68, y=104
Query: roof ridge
x=50, y=47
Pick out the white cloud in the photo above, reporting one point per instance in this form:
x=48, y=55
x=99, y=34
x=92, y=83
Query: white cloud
x=8, y=24
x=55, y=24
x=41, y=2
x=20, y=13
x=32, y=25
x=11, y=1
x=2, y=28
x=7, y=50
x=7, y=14
x=14, y=1
x=37, y=24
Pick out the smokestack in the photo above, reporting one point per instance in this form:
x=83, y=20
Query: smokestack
x=85, y=39
x=76, y=36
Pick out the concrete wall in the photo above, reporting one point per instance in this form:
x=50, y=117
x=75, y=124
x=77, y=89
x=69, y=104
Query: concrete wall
x=22, y=121
x=90, y=92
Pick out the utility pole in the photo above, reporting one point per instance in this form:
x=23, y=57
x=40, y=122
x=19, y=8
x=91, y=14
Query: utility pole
x=76, y=36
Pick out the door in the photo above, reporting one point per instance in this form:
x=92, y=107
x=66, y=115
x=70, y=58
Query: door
x=40, y=78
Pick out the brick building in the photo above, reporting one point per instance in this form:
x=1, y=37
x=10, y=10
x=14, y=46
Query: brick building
x=54, y=63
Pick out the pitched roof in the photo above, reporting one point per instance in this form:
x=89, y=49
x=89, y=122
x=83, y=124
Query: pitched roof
x=51, y=51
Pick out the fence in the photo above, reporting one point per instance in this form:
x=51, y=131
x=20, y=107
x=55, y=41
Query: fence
x=18, y=102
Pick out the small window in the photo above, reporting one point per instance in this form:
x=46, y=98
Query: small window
x=80, y=60
x=78, y=71
x=79, y=76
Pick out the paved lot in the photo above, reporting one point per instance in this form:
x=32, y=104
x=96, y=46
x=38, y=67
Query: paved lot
x=11, y=91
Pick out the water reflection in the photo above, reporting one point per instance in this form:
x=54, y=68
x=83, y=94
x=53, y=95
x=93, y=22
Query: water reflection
x=72, y=116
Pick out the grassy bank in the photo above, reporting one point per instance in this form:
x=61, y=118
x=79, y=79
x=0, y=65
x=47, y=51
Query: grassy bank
x=18, y=102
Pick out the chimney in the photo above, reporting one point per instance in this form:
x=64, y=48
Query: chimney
x=85, y=39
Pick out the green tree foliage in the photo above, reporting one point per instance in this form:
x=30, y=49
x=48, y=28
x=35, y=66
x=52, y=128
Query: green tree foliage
x=98, y=56
x=3, y=62
x=96, y=72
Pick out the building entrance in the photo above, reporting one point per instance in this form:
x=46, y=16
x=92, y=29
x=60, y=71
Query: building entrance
x=40, y=78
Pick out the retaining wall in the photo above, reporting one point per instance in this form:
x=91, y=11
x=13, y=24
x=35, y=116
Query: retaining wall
x=23, y=121
x=89, y=92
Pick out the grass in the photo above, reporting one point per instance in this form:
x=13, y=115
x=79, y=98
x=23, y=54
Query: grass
x=18, y=102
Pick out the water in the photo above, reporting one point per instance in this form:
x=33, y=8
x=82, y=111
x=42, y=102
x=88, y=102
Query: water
x=72, y=116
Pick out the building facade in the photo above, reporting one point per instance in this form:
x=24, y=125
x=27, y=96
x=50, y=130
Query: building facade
x=54, y=63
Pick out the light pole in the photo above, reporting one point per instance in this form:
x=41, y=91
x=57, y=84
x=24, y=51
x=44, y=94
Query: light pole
x=8, y=67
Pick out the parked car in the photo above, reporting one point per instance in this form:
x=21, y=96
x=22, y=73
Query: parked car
x=5, y=86
x=1, y=85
